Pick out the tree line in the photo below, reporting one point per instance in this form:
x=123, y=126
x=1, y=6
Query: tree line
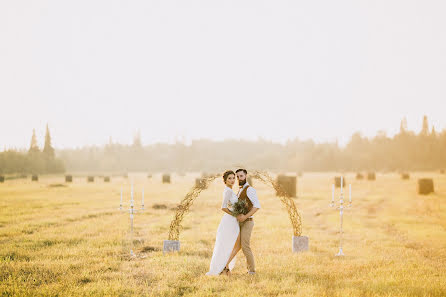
x=34, y=161
x=405, y=151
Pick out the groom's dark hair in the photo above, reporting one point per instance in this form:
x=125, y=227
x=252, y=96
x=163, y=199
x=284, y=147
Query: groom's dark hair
x=244, y=170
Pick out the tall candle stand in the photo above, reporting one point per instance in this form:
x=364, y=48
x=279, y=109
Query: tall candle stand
x=132, y=211
x=341, y=210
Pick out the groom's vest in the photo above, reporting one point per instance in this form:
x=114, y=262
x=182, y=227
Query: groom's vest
x=244, y=196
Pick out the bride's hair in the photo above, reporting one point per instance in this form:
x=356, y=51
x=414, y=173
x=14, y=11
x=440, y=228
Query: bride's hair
x=226, y=174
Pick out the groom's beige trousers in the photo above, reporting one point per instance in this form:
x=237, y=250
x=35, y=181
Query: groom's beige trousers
x=245, y=238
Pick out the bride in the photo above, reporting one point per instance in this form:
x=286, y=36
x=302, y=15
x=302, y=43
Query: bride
x=227, y=242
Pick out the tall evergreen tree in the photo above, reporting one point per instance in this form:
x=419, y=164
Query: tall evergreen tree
x=48, y=150
x=425, y=128
x=34, y=148
x=137, y=140
x=403, y=126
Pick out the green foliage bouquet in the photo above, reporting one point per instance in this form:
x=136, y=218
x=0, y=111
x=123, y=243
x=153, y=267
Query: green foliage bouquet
x=240, y=207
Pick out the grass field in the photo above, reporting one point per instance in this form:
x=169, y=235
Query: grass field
x=59, y=239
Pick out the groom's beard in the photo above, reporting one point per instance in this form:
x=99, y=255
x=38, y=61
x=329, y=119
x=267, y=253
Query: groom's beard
x=241, y=183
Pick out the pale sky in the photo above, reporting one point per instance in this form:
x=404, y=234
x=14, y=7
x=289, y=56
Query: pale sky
x=218, y=69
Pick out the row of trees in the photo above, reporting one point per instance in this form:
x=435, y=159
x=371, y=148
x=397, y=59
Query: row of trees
x=407, y=150
x=33, y=161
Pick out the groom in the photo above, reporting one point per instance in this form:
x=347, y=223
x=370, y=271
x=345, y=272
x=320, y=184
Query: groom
x=246, y=222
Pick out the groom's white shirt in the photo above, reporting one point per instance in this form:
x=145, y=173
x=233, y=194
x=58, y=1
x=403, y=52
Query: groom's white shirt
x=252, y=195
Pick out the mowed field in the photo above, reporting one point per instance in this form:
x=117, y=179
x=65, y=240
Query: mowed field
x=59, y=239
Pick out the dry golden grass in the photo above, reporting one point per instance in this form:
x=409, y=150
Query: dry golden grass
x=72, y=241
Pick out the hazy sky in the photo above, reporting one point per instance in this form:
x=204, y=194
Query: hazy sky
x=218, y=69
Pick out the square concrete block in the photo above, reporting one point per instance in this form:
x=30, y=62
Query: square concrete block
x=171, y=246
x=300, y=244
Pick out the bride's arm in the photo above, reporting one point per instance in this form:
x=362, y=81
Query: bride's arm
x=226, y=210
x=224, y=205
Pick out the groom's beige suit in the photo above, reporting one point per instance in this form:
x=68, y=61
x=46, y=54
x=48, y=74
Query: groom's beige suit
x=248, y=194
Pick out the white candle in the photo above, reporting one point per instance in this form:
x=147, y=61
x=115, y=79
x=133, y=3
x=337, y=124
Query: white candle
x=342, y=182
x=332, y=193
x=350, y=192
x=131, y=199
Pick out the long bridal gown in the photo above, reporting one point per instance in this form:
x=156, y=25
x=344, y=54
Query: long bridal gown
x=227, y=234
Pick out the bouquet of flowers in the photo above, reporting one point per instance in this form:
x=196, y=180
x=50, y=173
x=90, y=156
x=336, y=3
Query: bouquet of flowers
x=240, y=207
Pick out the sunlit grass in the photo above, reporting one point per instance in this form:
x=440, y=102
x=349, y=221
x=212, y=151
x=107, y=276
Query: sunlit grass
x=72, y=240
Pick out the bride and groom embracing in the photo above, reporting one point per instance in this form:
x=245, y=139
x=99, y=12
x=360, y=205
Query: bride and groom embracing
x=235, y=228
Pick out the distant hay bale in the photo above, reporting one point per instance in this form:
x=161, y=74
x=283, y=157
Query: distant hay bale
x=166, y=178
x=425, y=186
x=35, y=177
x=359, y=176
x=288, y=184
x=337, y=182
x=2, y=179
x=405, y=175
x=90, y=179
x=149, y=175
x=68, y=178
x=371, y=176
x=107, y=179
x=199, y=182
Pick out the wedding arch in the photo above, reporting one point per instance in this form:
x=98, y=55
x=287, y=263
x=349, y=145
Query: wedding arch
x=188, y=200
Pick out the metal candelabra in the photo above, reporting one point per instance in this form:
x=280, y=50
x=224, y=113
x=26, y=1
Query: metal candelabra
x=132, y=210
x=341, y=209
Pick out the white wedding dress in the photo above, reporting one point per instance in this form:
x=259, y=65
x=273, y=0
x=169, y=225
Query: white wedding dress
x=227, y=234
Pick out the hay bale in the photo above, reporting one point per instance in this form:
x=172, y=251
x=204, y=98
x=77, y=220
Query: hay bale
x=90, y=179
x=149, y=175
x=288, y=185
x=359, y=176
x=106, y=179
x=199, y=182
x=166, y=178
x=337, y=182
x=68, y=178
x=2, y=179
x=371, y=176
x=425, y=186
x=35, y=177
x=405, y=175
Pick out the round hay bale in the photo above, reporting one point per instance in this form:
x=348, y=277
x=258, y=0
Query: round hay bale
x=107, y=179
x=68, y=178
x=359, y=176
x=2, y=179
x=166, y=178
x=405, y=175
x=425, y=186
x=288, y=184
x=35, y=177
x=371, y=176
x=337, y=182
x=90, y=179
